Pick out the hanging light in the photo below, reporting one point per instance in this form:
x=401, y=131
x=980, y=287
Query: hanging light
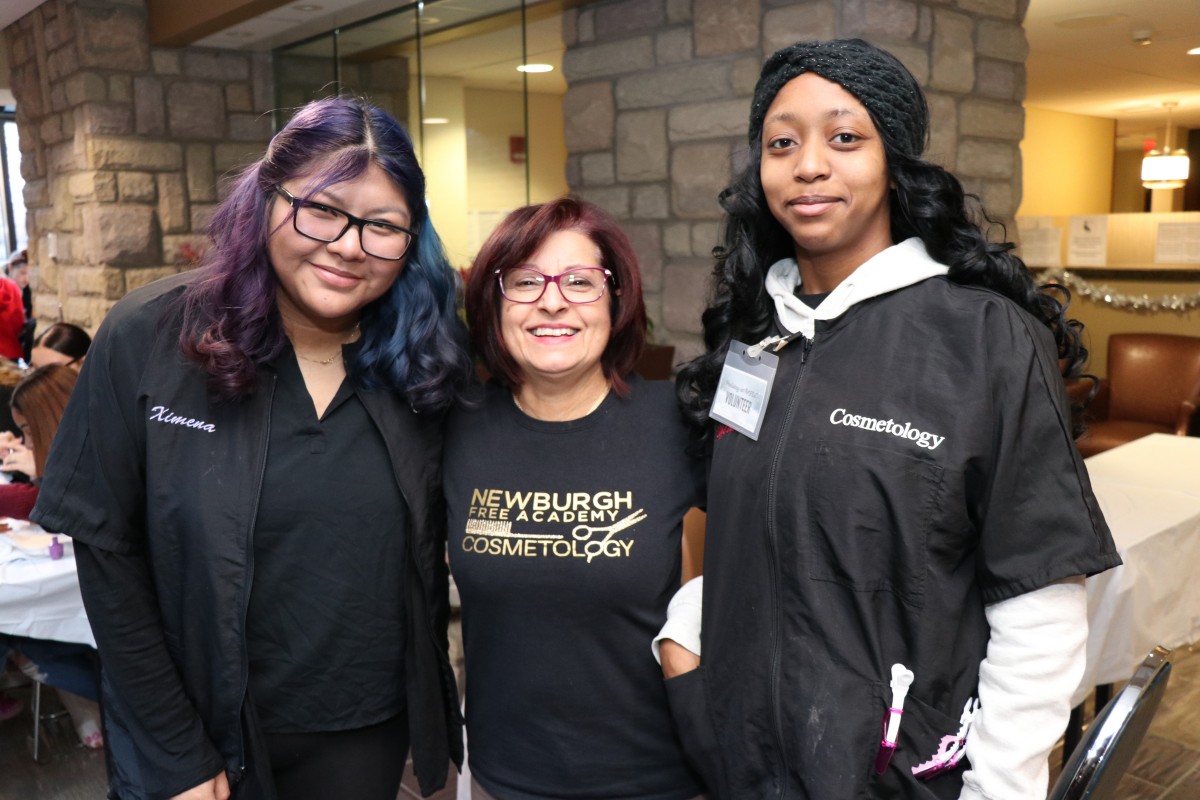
x=1166, y=168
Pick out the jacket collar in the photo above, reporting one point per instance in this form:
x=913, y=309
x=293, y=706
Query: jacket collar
x=895, y=268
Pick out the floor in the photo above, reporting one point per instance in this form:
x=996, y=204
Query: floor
x=1166, y=768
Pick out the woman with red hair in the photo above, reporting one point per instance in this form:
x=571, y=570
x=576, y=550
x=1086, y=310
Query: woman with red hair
x=566, y=488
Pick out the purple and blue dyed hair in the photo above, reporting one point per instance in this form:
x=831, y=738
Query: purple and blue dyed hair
x=412, y=339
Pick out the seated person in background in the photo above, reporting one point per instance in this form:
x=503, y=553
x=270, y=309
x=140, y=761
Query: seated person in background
x=61, y=343
x=10, y=375
x=38, y=402
x=12, y=320
x=18, y=271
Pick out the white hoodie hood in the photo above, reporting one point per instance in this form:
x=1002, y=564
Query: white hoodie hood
x=894, y=268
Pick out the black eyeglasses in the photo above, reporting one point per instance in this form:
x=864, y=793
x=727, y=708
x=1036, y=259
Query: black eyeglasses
x=325, y=223
x=577, y=285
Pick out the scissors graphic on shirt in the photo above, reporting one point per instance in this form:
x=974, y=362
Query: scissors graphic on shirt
x=597, y=547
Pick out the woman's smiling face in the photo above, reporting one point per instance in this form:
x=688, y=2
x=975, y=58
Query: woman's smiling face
x=824, y=173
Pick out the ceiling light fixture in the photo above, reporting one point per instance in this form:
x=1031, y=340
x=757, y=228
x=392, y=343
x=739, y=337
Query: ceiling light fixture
x=436, y=120
x=1195, y=51
x=307, y=7
x=1166, y=168
x=534, y=68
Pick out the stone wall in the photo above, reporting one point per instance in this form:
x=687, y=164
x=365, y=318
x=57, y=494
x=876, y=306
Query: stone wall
x=123, y=147
x=660, y=91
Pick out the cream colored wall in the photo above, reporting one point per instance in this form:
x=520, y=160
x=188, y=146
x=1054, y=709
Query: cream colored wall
x=444, y=159
x=1067, y=163
x=1070, y=168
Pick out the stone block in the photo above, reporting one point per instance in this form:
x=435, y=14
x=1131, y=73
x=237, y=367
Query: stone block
x=722, y=119
x=690, y=83
x=998, y=198
x=673, y=46
x=914, y=58
x=136, y=187
x=721, y=27
x=36, y=193
x=201, y=181
x=611, y=58
x=985, y=159
x=586, y=25
x=991, y=120
x=570, y=27
x=51, y=129
x=232, y=157
x=196, y=110
x=745, y=75
x=613, y=199
x=61, y=158
x=679, y=11
x=647, y=246
x=262, y=81
x=642, y=145
x=112, y=37
x=651, y=202
x=574, y=171
x=943, y=129
x=106, y=119
x=86, y=312
x=249, y=127
x=57, y=31
x=705, y=236
x=925, y=25
x=201, y=215
x=120, y=88
x=90, y=186
x=596, y=169
x=185, y=250
x=92, y=281
x=892, y=19
x=62, y=63
x=588, y=117
x=121, y=236
x=105, y=152
x=677, y=239
x=215, y=65
x=698, y=174
x=687, y=347
x=150, y=110
x=238, y=97
x=997, y=79
x=685, y=294
x=1003, y=40
x=953, y=52
x=621, y=19
x=166, y=61
x=85, y=87
x=797, y=23
x=137, y=278
x=992, y=8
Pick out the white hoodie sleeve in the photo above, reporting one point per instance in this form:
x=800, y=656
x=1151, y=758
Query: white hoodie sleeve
x=683, y=618
x=1035, y=659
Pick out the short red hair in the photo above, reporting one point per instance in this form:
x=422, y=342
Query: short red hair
x=517, y=238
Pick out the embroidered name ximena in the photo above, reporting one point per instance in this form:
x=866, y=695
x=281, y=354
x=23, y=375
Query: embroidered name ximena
x=164, y=414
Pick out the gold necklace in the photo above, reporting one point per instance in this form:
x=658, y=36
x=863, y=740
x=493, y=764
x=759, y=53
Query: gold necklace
x=595, y=405
x=327, y=361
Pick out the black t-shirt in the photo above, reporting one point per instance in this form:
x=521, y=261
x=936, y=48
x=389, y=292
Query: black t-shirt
x=325, y=628
x=565, y=543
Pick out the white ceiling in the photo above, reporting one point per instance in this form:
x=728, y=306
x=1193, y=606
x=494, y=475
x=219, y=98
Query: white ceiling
x=1082, y=57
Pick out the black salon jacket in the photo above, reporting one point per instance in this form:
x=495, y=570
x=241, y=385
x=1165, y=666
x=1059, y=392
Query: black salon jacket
x=915, y=462
x=144, y=463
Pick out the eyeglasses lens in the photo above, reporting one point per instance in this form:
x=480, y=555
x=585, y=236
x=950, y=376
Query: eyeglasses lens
x=328, y=224
x=583, y=285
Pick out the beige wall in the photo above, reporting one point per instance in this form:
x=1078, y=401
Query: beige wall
x=1067, y=163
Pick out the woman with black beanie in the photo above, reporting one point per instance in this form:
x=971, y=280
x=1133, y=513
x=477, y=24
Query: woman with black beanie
x=898, y=520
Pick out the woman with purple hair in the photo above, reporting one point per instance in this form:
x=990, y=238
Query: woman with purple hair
x=250, y=469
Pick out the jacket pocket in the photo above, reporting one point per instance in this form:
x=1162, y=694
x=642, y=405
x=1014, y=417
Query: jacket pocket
x=870, y=513
x=688, y=702
x=921, y=730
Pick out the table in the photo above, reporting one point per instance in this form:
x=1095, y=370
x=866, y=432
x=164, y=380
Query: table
x=1149, y=491
x=39, y=598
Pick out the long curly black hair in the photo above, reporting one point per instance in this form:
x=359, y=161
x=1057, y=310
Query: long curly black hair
x=926, y=201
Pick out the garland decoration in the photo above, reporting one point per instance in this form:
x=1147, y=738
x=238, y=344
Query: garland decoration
x=1178, y=303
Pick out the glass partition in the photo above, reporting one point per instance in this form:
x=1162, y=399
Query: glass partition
x=489, y=136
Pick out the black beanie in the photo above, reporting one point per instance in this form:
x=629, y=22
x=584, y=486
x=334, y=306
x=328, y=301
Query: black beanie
x=880, y=82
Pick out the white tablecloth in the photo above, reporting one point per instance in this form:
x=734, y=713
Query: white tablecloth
x=39, y=597
x=1149, y=491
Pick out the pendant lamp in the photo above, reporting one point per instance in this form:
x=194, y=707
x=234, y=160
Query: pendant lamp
x=1166, y=168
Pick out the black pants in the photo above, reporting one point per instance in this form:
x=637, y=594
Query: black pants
x=364, y=764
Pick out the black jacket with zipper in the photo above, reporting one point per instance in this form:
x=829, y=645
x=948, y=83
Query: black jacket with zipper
x=145, y=465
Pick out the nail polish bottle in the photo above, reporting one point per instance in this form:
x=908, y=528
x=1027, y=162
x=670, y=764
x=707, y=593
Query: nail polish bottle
x=56, y=548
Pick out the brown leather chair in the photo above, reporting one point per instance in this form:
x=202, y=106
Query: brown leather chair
x=1153, y=386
